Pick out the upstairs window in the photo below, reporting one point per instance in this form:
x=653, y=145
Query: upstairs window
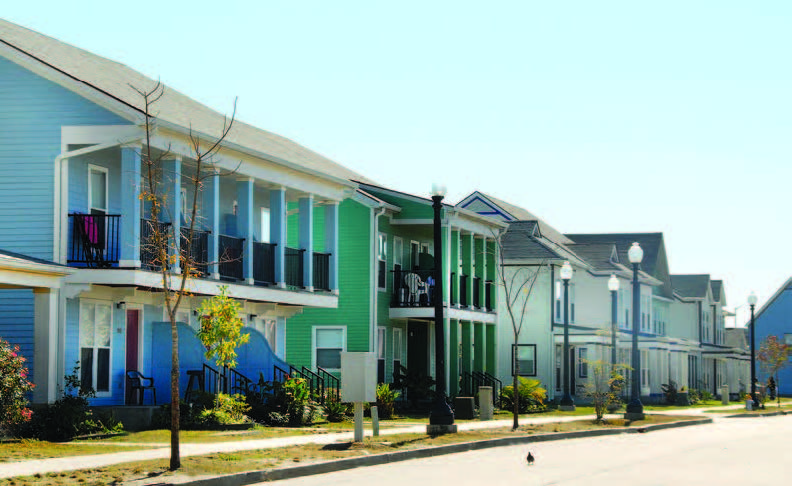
x=382, y=258
x=97, y=193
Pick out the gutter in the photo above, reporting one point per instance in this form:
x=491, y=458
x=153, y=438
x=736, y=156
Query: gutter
x=373, y=274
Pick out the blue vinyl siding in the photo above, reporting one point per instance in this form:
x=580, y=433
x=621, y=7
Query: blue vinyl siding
x=776, y=320
x=16, y=321
x=33, y=112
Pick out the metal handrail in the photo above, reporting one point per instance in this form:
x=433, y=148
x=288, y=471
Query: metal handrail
x=332, y=383
x=315, y=383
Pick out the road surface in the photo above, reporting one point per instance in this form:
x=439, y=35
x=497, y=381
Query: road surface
x=751, y=451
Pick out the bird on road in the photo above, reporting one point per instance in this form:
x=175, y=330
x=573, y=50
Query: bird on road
x=530, y=458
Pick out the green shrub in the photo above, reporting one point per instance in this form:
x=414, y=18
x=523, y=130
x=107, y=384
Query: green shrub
x=670, y=392
x=226, y=410
x=290, y=399
x=532, y=396
x=706, y=396
x=336, y=411
x=694, y=396
x=386, y=401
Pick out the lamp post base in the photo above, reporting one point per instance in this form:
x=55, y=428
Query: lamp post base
x=567, y=404
x=441, y=415
x=635, y=410
x=434, y=429
x=567, y=408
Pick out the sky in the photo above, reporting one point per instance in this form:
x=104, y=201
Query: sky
x=613, y=116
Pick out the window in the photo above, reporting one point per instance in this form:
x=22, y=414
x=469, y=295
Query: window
x=328, y=344
x=97, y=195
x=264, y=237
x=583, y=362
x=95, y=338
x=382, y=257
x=558, y=360
x=572, y=303
x=183, y=204
x=644, y=368
x=398, y=251
x=380, y=355
x=415, y=250
x=627, y=318
x=426, y=248
x=397, y=349
x=524, y=359
x=270, y=332
x=559, y=296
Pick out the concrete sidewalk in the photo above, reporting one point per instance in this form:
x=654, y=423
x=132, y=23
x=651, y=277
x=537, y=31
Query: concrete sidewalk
x=70, y=463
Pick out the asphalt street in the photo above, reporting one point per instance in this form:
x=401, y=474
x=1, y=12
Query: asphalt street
x=751, y=451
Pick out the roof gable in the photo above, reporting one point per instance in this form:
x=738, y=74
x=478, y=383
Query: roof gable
x=691, y=286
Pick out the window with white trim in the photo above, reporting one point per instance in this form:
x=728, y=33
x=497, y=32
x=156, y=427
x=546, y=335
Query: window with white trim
x=264, y=234
x=96, y=326
x=524, y=359
x=97, y=193
x=382, y=258
x=398, y=356
x=644, y=368
x=583, y=362
x=398, y=251
x=328, y=345
x=559, y=299
x=381, y=355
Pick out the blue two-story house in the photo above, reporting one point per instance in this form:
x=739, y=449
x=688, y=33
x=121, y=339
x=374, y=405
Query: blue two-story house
x=71, y=139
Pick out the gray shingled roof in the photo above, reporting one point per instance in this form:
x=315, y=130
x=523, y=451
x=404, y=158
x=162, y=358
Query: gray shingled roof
x=691, y=286
x=518, y=243
x=650, y=243
x=10, y=255
x=521, y=214
x=598, y=255
x=116, y=80
x=716, y=285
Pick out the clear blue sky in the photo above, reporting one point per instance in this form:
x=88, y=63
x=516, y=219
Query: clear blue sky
x=597, y=116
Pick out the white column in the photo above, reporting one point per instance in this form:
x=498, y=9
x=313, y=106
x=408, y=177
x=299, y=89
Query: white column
x=172, y=171
x=278, y=235
x=129, y=231
x=245, y=225
x=306, y=239
x=331, y=243
x=45, y=355
x=213, y=185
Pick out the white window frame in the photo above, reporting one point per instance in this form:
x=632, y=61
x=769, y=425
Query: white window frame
x=582, y=363
x=98, y=168
x=645, y=368
x=558, y=310
x=343, y=330
x=427, y=248
x=382, y=256
x=515, y=355
x=265, y=237
x=382, y=343
x=398, y=255
x=398, y=344
x=414, y=258
x=94, y=374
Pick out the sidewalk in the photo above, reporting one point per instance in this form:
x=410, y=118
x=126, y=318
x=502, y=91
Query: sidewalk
x=59, y=464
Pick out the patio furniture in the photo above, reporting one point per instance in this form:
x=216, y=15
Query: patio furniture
x=137, y=383
x=415, y=287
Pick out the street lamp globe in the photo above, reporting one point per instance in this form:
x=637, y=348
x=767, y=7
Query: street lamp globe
x=752, y=299
x=635, y=253
x=438, y=189
x=613, y=283
x=566, y=271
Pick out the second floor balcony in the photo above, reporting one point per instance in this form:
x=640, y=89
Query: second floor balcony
x=414, y=290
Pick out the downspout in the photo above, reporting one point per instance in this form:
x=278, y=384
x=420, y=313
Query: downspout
x=61, y=204
x=373, y=273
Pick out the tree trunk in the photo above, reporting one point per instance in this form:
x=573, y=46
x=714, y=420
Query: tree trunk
x=175, y=459
x=515, y=387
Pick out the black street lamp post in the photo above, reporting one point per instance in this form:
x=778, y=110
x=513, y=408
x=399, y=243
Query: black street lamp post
x=613, y=286
x=441, y=418
x=635, y=407
x=567, y=403
x=752, y=303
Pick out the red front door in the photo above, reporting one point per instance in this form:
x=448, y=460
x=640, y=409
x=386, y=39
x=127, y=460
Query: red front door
x=132, y=341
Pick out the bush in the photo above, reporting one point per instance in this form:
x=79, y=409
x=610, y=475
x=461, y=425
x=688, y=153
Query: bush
x=670, y=392
x=14, y=387
x=290, y=399
x=226, y=410
x=386, y=400
x=532, y=396
x=706, y=396
x=336, y=411
x=69, y=416
x=694, y=396
x=204, y=411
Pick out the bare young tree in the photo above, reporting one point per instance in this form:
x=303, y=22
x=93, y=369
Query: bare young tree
x=163, y=248
x=517, y=283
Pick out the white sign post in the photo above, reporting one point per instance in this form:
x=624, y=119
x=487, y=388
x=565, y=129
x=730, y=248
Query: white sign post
x=359, y=372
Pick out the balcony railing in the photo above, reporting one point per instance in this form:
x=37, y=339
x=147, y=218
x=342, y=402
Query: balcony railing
x=463, y=290
x=150, y=245
x=488, y=285
x=94, y=240
x=264, y=263
x=230, y=254
x=477, y=292
x=196, y=251
x=321, y=271
x=294, y=267
x=413, y=288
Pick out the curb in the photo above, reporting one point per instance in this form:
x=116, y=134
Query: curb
x=252, y=477
x=757, y=415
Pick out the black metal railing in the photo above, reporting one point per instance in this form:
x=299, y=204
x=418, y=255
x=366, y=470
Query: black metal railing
x=315, y=384
x=196, y=252
x=294, y=267
x=470, y=384
x=321, y=271
x=153, y=237
x=212, y=380
x=94, y=240
x=413, y=289
x=279, y=374
x=488, y=286
x=230, y=250
x=489, y=380
x=463, y=290
x=264, y=263
x=331, y=383
x=477, y=292
x=236, y=382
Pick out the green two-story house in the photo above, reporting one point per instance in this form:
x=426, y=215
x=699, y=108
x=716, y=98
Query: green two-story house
x=386, y=301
